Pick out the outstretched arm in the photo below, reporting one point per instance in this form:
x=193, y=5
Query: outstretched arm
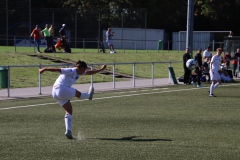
x=49, y=69
x=90, y=72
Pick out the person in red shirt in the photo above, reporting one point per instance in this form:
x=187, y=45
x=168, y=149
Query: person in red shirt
x=227, y=57
x=37, y=37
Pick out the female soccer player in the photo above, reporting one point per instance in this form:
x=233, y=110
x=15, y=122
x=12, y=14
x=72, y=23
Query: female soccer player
x=214, y=74
x=62, y=89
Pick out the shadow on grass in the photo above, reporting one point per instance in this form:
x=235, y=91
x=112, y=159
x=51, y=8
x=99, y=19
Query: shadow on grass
x=132, y=138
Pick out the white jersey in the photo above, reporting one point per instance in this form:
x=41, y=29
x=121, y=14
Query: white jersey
x=67, y=77
x=206, y=54
x=108, y=36
x=216, y=62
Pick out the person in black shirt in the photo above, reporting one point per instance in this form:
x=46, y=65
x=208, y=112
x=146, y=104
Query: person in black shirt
x=235, y=62
x=198, y=59
x=187, y=72
x=62, y=31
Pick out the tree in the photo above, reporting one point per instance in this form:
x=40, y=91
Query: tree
x=217, y=14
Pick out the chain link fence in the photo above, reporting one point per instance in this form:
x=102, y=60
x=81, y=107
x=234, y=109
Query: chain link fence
x=19, y=21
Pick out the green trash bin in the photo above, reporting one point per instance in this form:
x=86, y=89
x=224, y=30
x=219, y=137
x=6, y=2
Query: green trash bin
x=3, y=77
x=160, y=42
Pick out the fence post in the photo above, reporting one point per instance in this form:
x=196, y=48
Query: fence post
x=135, y=45
x=152, y=73
x=168, y=46
x=40, y=81
x=8, y=81
x=114, y=84
x=146, y=46
x=134, y=65
x=92, y=75
x=213, y=45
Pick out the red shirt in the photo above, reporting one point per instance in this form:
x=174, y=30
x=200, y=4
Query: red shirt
x=36, y=34
x=237, y=55
x=227, y=57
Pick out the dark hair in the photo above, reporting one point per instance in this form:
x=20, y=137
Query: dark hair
x=80, y=64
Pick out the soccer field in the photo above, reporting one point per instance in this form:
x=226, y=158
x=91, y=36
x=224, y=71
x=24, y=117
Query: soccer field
x=171, y=122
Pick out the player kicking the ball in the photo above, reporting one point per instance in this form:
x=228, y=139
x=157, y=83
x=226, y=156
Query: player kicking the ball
x=62, y=89
x=214, y=74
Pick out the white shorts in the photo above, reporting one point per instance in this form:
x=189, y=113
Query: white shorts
x=110, y=42
x=215, y=76
x=63, y=94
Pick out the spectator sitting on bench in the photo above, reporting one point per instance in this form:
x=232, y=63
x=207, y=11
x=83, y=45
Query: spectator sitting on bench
x=205, y=71
x=225, y=76
x=61, y=43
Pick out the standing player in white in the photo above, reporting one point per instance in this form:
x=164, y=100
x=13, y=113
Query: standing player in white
x=214, y=74
x=109, y=41
x=207, y=55
x=62, y=90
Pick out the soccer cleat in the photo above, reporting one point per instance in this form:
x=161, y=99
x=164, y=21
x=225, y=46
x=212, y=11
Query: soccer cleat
x=200, y=86
x=114, y=51
x=68, y=134
x=211, y=95
x=91, y=92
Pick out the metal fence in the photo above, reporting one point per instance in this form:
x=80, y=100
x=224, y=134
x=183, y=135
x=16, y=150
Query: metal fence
x=113, y=72
x=88, y=24
x=84, y=43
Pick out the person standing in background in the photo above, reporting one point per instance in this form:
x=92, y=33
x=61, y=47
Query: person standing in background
x=109, y=41
x=198, y=59
x=230, y=34
x=37, y=37
x=187, y=72
x=207, y=55
x=62, y=31
x=46, y=34
x=51, y=32
x=235, y=62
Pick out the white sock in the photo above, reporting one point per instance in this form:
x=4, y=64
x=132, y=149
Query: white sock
x=68, y=122
x=84, y=95
x=211, y=88
x=216, y=85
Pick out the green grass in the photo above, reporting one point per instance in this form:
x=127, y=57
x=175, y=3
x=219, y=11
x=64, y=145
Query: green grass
x=171, y=122
x=28, y=77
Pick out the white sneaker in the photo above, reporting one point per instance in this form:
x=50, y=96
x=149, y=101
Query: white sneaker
x=212, y=95
x=91, y=92
x=111, y=52
x=68, y=134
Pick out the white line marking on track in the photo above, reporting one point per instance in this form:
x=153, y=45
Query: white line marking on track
x=129, y=95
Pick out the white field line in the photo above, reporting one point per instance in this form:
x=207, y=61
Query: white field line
x=129, y=95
